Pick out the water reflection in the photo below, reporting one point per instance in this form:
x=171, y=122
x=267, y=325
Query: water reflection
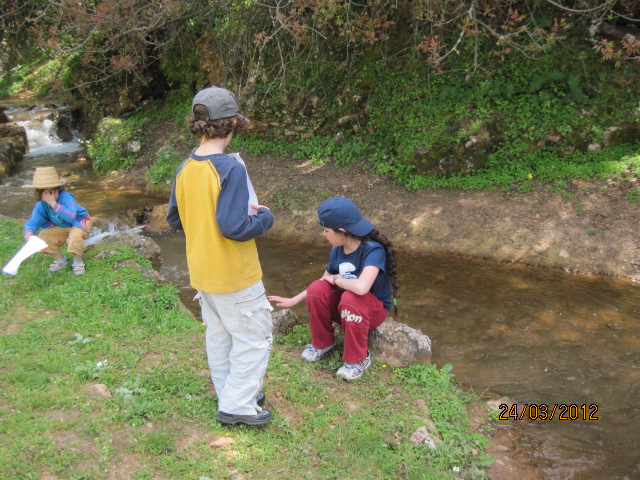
x=543, y=338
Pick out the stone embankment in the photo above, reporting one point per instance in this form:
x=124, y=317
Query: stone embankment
x=13, y=144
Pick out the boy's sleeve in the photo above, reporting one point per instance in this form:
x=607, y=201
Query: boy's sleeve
x=173, y=215
x=232, y=213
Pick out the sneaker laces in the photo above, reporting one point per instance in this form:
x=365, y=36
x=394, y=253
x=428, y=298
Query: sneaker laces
x=359, y=367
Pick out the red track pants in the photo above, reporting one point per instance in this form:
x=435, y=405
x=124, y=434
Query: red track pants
x=357, y=314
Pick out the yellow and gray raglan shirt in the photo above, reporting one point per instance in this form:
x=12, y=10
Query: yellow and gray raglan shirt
x=210, y=202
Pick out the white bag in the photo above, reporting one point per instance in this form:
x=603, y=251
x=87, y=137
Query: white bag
x=33, y=245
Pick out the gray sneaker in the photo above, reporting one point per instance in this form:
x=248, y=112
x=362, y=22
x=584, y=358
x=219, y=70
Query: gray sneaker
x=353, y=371
x=313, y=354
x=258, y=420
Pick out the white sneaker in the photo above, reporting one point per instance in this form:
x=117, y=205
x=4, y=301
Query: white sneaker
x=353, y=371
x=313, y=354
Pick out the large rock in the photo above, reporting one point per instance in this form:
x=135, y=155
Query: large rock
x=399, y=345
x=392, y=343
x=285, y=320
x=156, y=221
x=13, y=146
x=143, y=246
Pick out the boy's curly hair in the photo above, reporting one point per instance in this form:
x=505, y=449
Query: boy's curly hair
x=200, y=125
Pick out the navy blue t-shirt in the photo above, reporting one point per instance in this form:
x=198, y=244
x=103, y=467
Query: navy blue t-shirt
x=368, y=253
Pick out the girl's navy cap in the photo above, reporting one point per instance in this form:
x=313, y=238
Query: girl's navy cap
x=340, y=212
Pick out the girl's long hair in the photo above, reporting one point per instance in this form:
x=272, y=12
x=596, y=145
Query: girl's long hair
x=392, y=264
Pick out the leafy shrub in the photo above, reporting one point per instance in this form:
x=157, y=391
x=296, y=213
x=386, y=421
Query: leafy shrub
x=164, y=167
x=317, y=149
x=43, y=78
x=110, y=148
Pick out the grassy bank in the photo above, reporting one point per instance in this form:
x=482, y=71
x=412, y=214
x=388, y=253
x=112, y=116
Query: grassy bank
x=105, y=376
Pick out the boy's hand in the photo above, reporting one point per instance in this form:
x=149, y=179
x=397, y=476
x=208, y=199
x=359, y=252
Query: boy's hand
x=27, y=236
x=256, y=207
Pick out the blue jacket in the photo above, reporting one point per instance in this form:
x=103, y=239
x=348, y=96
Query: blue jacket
x=67, y=213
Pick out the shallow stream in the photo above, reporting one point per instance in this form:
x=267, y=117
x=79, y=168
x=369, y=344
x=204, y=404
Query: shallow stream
x=539, y=337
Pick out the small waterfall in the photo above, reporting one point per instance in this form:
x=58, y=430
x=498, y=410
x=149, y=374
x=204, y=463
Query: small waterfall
x=112, y=229
x=41, y=134
x=49, y=129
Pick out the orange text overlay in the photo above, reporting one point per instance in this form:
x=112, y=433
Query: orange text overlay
x=543, y=411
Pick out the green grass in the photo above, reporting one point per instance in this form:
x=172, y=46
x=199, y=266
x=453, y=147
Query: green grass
x=105, y=376
x=633, y=195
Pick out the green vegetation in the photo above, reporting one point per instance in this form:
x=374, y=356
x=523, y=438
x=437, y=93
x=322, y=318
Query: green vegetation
x=633, y=195
x=111, y=147
x=37, y=75
x=535, y=117
x=104, y=375
x=433, y=94
x=164, y=168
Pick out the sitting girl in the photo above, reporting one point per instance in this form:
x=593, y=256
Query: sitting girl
x=357, y=290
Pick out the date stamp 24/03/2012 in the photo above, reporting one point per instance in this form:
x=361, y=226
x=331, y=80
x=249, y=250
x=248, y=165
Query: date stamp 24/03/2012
x=544, y=411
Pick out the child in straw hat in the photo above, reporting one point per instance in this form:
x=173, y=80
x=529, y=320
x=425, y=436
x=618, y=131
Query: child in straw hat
x=61, y=219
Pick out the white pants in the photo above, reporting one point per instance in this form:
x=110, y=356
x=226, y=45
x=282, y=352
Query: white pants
x=238, y=343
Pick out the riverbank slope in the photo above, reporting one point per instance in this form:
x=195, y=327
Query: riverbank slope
x=589, y=227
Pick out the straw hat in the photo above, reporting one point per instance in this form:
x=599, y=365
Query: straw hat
x=45, y=177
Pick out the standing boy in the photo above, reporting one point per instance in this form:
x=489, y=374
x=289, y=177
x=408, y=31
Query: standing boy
x=213, y=202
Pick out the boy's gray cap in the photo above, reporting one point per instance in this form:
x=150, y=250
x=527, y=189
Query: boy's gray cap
x=219, y=102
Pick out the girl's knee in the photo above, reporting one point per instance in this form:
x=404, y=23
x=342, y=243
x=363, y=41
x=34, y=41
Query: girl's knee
x=350, y=298
x=319, y=288
x=350, y=302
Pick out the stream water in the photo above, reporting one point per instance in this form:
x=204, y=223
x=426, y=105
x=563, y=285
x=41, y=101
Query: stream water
x=539, y=337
